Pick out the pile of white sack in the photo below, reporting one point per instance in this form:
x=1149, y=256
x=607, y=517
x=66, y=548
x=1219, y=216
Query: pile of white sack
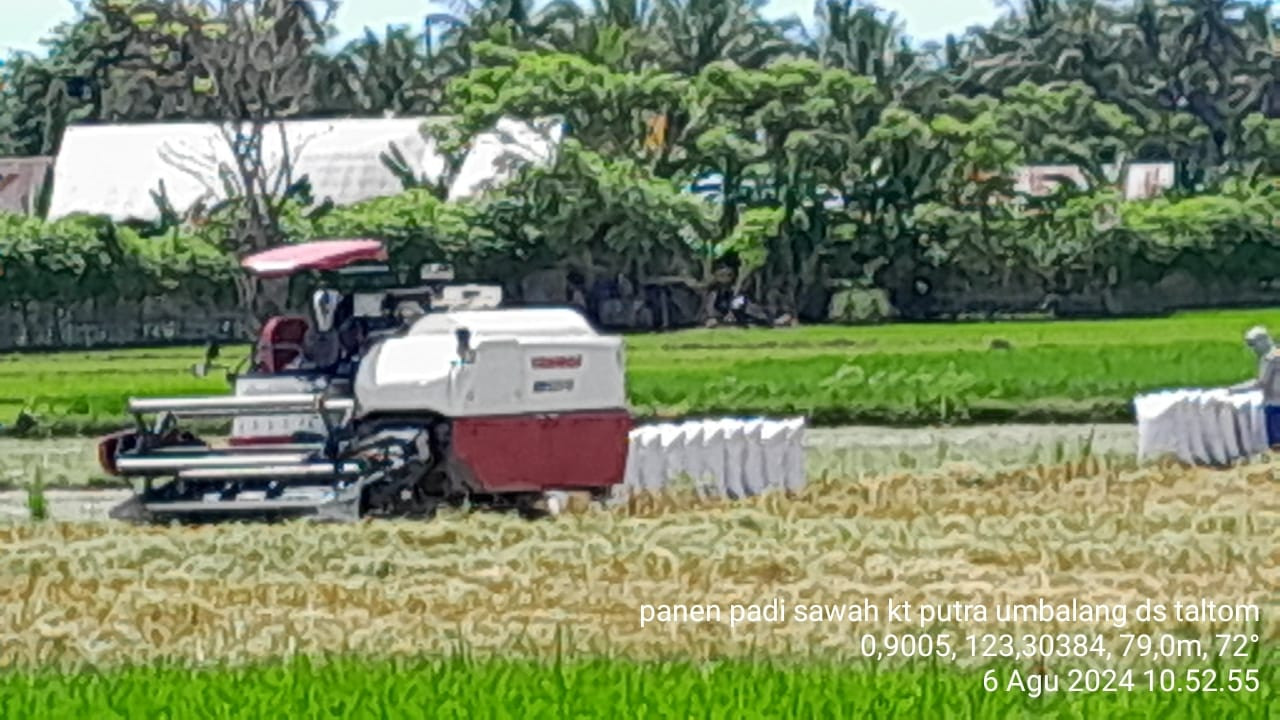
x=1201, y=427
x=728, y=457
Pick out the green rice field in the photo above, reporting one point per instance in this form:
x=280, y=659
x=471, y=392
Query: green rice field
x=1086, y=371
x=457, y=688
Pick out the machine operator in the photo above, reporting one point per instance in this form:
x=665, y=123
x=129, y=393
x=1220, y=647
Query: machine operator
x=322, y=345
x=1267, y=380
x=336, y=337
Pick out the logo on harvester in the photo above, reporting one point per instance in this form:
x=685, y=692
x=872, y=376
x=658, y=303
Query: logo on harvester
x=552, y=386
x=556, y=362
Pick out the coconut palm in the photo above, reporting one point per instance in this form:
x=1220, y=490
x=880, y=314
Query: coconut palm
x=387, y=74
x=698, y=33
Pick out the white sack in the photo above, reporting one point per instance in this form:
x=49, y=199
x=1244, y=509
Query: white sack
x=651, y=460
x=1203, y=427
x=671, y=442
x=796, y=472
x=715, y=448
x=725, y=457
x=735, y=449
x=773, y=440
x=753, y=479
x=694, y=462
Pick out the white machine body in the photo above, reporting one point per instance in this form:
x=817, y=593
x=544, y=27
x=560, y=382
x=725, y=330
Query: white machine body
x=524, y=361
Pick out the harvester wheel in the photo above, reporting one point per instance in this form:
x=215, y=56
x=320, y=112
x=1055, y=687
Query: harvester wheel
x=399, y=499
x=416, y=503
x=533, y=506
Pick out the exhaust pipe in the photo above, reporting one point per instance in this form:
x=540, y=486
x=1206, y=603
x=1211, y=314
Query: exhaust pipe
x=241, y=405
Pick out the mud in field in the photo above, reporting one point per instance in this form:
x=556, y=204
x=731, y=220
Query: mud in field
x=67, y=468
x=1083, y=532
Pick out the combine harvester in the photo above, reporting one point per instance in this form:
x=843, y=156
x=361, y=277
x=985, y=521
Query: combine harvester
x=446, y=399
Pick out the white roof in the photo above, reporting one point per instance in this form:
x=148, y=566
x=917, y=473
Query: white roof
x=509, y=322
x=114, y=169
x=495, y=156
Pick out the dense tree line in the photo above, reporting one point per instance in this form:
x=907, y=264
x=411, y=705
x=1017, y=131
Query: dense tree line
x=846, y=154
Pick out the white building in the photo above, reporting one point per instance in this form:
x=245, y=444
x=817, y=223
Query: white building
x=118, y=170
x=1142, y=181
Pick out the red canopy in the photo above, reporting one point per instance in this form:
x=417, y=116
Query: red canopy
x=317, y=255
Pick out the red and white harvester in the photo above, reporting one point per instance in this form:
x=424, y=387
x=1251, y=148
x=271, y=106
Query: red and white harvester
x=460, y=402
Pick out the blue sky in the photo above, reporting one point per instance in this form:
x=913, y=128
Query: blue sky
x=24, y=22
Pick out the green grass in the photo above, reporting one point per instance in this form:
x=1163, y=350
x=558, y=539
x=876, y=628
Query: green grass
x=1085, y=371
x=76, y=391
x=458, y=688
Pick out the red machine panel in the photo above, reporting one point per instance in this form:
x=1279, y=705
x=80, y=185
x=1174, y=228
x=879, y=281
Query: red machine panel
x=528, y=453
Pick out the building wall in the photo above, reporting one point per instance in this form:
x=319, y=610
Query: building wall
x=21, y=181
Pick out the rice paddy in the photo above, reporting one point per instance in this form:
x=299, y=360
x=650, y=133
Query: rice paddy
x=108, y=620
x=1086, y=371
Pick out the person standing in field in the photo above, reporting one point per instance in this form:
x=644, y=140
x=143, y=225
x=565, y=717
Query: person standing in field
x=1268, y=379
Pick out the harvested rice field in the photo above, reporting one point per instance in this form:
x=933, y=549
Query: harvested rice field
x=103, y=617
x=107, y=594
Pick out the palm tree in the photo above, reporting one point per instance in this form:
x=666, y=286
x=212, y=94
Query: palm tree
x=619, y=34
x=392, y=73
x=514, y=20
x=865, y=41
x=698, y=33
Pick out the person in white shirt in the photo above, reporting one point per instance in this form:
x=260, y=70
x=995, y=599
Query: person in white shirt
x=1267, y=379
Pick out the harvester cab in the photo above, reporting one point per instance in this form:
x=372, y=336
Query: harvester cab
x=459, y=401
x=369, y=298
x=370, y=302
